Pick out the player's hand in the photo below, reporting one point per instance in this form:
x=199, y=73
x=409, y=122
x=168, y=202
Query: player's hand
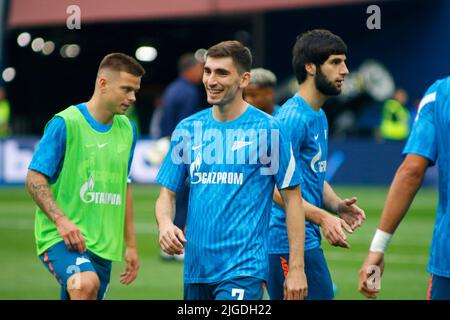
x=132, y=267
x=370, y=275
x=295, y=285
x=332, y=230
x=71, y=234
x=171, y=239
x=351, y=213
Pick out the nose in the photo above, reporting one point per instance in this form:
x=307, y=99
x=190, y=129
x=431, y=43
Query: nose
x=210, y=80
x=344, y=69
x=132, y=96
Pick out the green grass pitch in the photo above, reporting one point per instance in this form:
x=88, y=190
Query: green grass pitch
x=24, y=277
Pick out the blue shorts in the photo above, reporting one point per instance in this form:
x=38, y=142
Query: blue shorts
x=242, y=288
x=439, y=288
x=320, y=285
x=63, y=263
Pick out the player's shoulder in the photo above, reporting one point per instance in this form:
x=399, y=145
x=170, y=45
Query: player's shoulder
x=60, y=118
x=436, y=95
x=264, y=119
x=294, y=110
x=441, y=85
x=188, y=123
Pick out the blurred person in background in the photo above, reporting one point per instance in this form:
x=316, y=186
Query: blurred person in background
x=5, y=114
x=395, y=117
x=428, y=143
x=155, y=122
x=78, y=177
x=180, y=100
x=182, y=97
x=261, y=90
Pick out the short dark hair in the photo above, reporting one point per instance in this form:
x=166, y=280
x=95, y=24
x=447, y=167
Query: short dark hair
x=240, y=54
x=315, y=46
x=121, y=62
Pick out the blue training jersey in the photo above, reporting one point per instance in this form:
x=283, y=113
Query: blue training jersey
x=429, y=138
x=308, y=131
x=233, y=168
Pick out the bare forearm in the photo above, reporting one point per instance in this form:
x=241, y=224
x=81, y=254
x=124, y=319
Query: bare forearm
x=295, y=224
x=401, y=194
x=330, y=198
x=165, y=209
x=312, y=213
x=39, y=189
x=130, y=236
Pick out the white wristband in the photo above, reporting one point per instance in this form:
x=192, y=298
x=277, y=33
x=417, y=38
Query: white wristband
x=380, y=241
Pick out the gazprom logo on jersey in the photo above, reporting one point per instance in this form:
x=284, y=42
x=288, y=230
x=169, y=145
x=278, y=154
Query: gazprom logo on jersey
x=222, y=177
x=88, y=195
x=230, y=146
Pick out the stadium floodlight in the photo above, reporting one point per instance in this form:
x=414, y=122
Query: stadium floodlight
x=37, y=44
x=49, y=47
x=9, y=74
x=70, y=50
x=146, y=53
x=23, y=39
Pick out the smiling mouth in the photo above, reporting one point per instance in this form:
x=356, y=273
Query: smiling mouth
x=214, y=92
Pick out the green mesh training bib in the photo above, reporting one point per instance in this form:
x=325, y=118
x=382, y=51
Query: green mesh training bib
x=91, y=188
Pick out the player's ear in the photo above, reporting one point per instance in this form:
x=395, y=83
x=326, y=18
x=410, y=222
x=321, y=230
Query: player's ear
x=245, y=79
x=310, y=69
x=101, y=83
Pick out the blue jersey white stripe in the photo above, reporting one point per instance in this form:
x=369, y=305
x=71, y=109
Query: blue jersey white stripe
x=290, y=170
x=231, y=191
x=429, y=138
x=308, y=132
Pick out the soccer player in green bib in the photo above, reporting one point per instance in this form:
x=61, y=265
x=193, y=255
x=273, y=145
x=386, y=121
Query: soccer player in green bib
x=78, y=178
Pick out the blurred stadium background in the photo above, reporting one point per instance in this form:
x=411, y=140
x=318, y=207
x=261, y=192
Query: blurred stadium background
x=46, y=66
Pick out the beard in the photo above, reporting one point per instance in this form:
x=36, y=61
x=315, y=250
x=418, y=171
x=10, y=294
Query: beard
x=324, y=85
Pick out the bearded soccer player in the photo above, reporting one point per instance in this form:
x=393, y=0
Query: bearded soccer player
x=427, y=143
x=78, y=179
x=319, y=64
x=224, y=151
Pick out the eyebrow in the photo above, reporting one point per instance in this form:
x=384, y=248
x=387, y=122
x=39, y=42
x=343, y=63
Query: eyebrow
x=218, y=70
x=130, y=88
x=338, y=59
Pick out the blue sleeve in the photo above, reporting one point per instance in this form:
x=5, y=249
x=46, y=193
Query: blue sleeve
x=173, y=172
x=49, y=156
x=422, y=140
x=287, y=175
x=295, y=128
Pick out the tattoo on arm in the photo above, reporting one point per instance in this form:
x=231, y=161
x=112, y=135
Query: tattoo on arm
x=43, y=197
